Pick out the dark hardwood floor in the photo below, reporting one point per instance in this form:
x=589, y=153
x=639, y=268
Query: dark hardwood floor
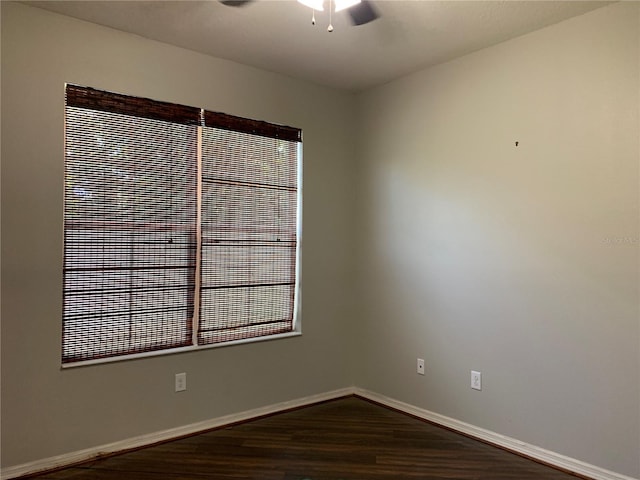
x=345, y=439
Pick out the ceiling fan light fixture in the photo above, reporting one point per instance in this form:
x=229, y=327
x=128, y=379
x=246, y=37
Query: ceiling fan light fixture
x=315, y=4
x=342, y=4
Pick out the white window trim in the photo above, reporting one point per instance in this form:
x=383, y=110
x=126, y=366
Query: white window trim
x=192, y=348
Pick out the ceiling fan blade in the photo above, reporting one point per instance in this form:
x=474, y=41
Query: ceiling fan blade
x=236, y=3
x=362, y=13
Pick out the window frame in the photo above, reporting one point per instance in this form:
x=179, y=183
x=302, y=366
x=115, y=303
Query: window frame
x=86, y=97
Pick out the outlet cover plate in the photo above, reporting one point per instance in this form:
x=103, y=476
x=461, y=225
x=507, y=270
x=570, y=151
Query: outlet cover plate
x=476, y=380
x=420, y=366
x=181, y=382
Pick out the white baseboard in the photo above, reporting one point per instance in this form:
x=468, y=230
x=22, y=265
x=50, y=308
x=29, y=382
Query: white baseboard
x=517, y=446
x=144, y=440
x=546, y=456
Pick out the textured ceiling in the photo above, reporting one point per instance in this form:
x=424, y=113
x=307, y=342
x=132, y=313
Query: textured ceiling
x=278, y=35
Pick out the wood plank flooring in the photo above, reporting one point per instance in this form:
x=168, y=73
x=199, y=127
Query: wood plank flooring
x=344, y=439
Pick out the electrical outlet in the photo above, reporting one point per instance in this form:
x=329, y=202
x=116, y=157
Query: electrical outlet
x=476, y=380
x=420, y=366
x=181, y=382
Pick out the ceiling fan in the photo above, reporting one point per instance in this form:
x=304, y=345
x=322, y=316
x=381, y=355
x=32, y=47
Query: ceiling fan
x=360, y=11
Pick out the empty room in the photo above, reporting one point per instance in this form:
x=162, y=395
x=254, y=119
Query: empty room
x=384, y=221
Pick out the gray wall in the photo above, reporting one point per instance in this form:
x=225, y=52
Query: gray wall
x=521, y=262
x=46, y=411
x=433, y=235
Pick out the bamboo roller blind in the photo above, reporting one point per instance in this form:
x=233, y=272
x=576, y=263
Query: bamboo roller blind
x=134, y=239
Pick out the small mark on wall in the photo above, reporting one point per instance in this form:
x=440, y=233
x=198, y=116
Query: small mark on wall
x=517, y=143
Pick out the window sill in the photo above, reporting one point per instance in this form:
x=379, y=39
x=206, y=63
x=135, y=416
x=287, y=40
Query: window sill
x=171, y=351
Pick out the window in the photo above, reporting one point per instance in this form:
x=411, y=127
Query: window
x=180, y=227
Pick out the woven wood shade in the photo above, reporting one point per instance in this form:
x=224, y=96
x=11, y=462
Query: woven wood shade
x=131, y=226
x=249, y=194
